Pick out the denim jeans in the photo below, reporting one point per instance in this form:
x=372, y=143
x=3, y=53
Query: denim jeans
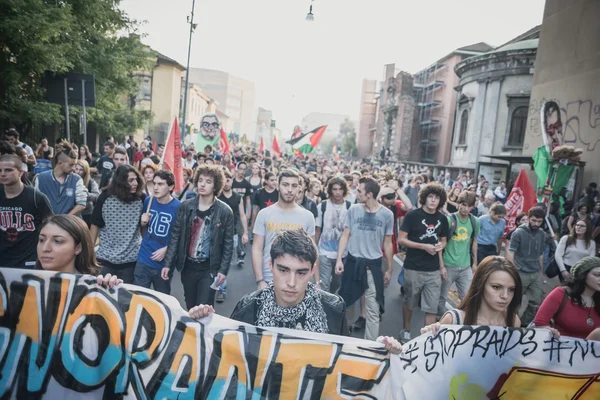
x=196, y=279
x=330, y=281
x=532, y=288
x=122, y=271
x=484, y=250
x=145, y=277
x=462, y=277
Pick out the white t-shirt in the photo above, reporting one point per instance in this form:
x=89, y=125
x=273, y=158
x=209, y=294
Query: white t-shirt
x=273, y=219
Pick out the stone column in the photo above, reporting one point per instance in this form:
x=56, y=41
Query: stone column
x=474, y=139
x=491, y=114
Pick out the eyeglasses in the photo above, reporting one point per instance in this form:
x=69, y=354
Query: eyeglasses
x=213, y=125
x=580, y=226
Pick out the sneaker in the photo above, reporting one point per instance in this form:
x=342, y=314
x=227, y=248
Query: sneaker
x=359, y=324
x=404, y=336
x=240, y=263
x=219, y=296
x=242, y=254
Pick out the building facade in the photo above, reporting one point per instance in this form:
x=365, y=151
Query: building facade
x=436, y=105
x=236, y=97
x=367, y=117
x=567, y=71
x=160, y=92
x=492, y=106
x=413, y=113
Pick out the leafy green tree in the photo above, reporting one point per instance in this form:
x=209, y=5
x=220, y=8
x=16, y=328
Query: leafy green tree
x=348, y=132
x=83, y=36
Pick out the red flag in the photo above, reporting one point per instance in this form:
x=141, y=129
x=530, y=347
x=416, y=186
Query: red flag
x=521, y=198
x=297, y=132
x=224, y=142
x=154, y=146
x=172, y=160
x=262, y=146
x=276, y=147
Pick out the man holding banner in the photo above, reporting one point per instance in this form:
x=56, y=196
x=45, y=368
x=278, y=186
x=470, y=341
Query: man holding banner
x=290, y=300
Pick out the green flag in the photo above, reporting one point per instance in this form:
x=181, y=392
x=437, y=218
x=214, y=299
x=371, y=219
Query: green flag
x=542, y=167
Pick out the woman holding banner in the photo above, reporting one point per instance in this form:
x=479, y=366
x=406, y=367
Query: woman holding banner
x=493, y=298
x=65, y=245
x=574, y=309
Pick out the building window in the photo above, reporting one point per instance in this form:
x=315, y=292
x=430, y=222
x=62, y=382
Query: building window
x=518, y=124
x=464, y=121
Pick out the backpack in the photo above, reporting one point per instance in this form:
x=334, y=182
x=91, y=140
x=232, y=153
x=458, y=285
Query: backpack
x=324, y=207
x=454, y=223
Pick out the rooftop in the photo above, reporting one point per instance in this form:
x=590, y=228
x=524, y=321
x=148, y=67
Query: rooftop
x=480, y=47
x=169, y=60
x=515, y=46
x=533, y=33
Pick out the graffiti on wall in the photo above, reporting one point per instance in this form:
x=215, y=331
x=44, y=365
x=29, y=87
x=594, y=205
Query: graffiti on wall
x=61, y=335
x=579, y=120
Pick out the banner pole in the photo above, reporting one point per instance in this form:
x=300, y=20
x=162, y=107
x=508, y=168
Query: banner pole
x=162, y=161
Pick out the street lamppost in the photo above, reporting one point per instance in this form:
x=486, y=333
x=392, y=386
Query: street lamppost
x=310, y=17
x=193, y=26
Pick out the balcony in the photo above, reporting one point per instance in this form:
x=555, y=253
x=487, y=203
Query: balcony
x=432, y=103
x=429, y=122
x=434, y=85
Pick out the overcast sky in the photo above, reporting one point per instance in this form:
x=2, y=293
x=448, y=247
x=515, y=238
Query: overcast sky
x=301, y=67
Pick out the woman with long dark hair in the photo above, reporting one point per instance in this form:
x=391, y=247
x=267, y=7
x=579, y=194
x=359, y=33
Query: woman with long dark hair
x=573, y=247
x=493, y=299
x=116, y=222
x=44, y=150
x=85, y=154
x=65, y=245
x=574, y=310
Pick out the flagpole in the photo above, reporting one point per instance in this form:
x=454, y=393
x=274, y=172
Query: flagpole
x=187, y=68
x=162, y=160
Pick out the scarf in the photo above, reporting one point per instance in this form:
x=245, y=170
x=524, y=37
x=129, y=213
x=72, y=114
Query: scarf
x=308, y=315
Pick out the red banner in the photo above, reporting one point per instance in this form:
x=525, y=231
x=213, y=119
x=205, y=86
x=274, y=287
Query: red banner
x=521, y=198
x=276, y=147
x=224, y=142
x=172, y=160
x=262, y=146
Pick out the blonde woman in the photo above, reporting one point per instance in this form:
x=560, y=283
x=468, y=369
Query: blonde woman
x=82, y=169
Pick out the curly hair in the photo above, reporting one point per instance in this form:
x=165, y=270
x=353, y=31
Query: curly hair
x=213, y=171
x=435, y=189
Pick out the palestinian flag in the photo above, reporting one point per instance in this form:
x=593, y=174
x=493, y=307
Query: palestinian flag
x=306, y=143
x=297, y=132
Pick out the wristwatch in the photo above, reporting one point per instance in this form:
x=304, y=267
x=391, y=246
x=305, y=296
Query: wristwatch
x=260, y=280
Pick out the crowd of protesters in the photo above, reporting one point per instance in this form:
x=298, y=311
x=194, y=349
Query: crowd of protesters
x=323, y=236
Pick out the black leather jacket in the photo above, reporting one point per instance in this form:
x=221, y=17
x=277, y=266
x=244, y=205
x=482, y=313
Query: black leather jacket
x=221, y=236
x=246, y=311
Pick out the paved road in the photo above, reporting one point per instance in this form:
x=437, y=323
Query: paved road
x=241, y=281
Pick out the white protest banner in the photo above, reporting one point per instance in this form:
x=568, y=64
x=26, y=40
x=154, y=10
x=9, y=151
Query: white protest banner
x=480, y=362
x=62, y=337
